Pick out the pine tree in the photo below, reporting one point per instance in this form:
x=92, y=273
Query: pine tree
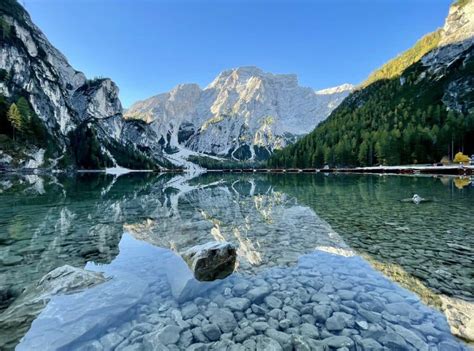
x=14, y=117
x=24, y=109
x=363, y=154
x=5, y=29
x=26, y=117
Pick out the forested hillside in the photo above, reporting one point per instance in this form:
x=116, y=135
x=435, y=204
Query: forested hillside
x=409, y=111
x=395, y=67
x=396, y=124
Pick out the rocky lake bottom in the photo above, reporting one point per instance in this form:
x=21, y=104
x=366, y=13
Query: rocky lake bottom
x=325, y=262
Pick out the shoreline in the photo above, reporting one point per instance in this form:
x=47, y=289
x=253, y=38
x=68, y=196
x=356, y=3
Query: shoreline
x=459, y=170
x=434, y=170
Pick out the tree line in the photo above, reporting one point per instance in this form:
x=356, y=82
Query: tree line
x=403, y=120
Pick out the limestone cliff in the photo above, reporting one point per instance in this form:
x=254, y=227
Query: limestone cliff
x=245, y=113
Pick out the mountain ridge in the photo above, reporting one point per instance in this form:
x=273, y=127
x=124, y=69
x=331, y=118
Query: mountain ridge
x=243, y=114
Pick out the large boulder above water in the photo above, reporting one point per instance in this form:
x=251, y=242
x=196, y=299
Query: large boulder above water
x=211, y=261
x=460, y=316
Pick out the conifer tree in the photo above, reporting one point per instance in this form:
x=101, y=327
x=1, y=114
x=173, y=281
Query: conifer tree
x=24, y=109
x=14, y=117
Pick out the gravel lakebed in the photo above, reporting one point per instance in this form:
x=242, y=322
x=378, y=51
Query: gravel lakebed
x=324, y=302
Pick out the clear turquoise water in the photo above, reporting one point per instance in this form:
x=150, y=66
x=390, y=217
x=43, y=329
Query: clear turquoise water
x=299, y=236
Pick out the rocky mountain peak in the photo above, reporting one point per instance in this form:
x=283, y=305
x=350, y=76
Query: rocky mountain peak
x=243, y=73
x=245, y=113
x=250, y=75
x=186, y=87
x=182, y=92
x=459, y=25
x=346, y=87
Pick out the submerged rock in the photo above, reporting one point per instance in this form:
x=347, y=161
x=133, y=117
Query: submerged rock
x=237, y=304
x=72, y=319
x=211, y=331
x=67, y=279
x=169, y=334
x=62, y=280
x=224, y=319
x=211, y=261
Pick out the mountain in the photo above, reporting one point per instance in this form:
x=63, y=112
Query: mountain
x=244, y=114
x=51, y=115
x=416, y=108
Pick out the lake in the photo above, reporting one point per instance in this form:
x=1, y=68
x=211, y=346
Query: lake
x=324, y=262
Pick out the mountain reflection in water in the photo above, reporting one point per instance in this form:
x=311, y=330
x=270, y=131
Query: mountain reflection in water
x=46, y=223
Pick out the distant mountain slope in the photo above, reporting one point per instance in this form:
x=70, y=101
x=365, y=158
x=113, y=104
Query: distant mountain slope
x=51, y=115
x=244, y=114
x=417, y=108
x=395, y=67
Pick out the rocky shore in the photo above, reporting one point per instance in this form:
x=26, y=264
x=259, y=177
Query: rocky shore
x=326, y=302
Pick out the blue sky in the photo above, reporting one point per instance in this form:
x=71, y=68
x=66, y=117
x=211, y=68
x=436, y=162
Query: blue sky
x=149, y=46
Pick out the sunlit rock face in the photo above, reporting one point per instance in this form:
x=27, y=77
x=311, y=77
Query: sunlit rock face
x=455, y=49
x=245, y=113
x=42, y=71
x=457, y=35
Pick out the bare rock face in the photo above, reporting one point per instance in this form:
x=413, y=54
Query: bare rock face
x=244, y=114
x=457, y=36
x=63, y=99
x=211, y=261
x=459, y=25
x=455, y=49
x=61, y=96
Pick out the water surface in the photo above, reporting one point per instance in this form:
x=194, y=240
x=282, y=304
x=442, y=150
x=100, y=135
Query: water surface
x=313, y=244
